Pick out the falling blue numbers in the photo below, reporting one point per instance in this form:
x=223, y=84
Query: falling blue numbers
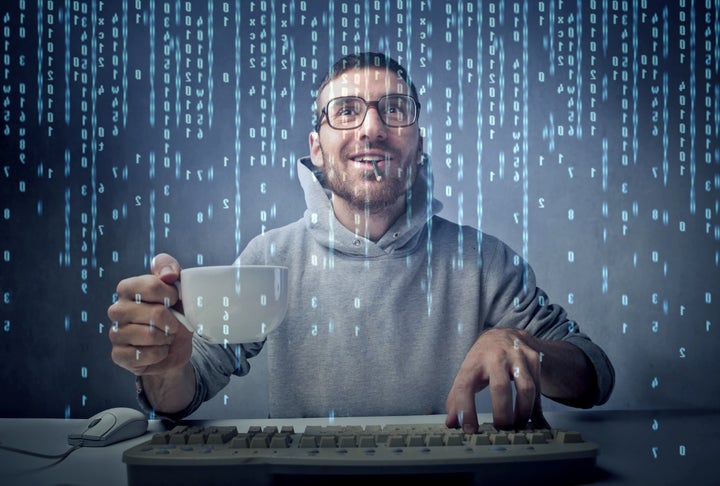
x=584, y=134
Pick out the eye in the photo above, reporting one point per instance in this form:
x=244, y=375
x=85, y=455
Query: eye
x=345, y=108
x=396, y=106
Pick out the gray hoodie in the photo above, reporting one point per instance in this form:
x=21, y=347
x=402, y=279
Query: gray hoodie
x=382, y=328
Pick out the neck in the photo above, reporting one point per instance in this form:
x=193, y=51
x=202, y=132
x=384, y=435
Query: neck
x=370, y=225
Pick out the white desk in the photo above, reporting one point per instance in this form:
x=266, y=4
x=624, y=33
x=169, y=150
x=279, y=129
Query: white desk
x=637, y=447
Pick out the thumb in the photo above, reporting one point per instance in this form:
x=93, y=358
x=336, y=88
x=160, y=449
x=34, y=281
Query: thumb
x=538, y=418
x=166, y=267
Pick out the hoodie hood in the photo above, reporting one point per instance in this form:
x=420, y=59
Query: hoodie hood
x=402, y=237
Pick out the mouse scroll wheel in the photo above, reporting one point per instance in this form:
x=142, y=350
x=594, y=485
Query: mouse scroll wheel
x=93, y=423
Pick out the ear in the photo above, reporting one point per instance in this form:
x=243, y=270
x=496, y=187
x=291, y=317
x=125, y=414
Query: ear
x=420, y=160
x=315, y=149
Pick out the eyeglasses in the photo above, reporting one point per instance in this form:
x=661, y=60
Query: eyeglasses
x=348, y=112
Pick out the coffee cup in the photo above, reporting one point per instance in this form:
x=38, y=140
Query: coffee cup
x=233, y=303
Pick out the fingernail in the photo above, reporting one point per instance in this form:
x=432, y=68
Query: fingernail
x=165, y=270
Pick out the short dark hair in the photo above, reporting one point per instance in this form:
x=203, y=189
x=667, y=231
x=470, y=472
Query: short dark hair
x=363, y=60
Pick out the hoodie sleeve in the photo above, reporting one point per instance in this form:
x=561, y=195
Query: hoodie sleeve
x=513, y=299
x=214, y=364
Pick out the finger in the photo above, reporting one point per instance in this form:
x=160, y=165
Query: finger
x=153, y=315
x=147, y=288
x=526, y=375
x=524, y=396
x=538, y=419
x=453, y=419
x=138, y=359
x=178, y=355
x=166, y=267
x=144, y=350
x=501, y=399
x=461, y=407
x=139, y=335
x=460, y=403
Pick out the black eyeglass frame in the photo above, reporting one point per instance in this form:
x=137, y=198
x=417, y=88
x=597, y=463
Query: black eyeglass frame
x=368, y=104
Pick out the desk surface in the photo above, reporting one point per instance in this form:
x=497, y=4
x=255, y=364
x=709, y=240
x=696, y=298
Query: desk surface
x=637, y=447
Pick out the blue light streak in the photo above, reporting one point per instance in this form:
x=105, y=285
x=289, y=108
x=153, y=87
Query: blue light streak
x=40, y=59
x=479, y=138
x=525, y=138
x=579, y=78
x=693, y=92
x=152, y=60
x=211, y=60
x=238, y=97
x=93, y=140
x=273, y=90
x=68, y=49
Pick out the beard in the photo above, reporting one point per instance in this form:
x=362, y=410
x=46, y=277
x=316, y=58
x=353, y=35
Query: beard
x=361, y=189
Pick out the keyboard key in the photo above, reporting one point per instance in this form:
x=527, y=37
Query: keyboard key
x=547, y=433
x=260, y=441
x=536, y=438
x=241, y=441
x=280, y=441
x=179, y=438
x=159, y=439
x=568, y=437
x=346, y=440
x=221, y=435
x=480, y=439
x=416, y=440
x=500, y=438
x=454, y=439
x=382, y=437
x=327, y=441
x=366, y=441
x=197, y=438
x=517, y=438
x=396, y=441
x=308, y=441
x=434, y=439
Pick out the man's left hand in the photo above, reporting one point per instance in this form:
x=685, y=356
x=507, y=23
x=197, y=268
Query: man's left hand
x=499, y=358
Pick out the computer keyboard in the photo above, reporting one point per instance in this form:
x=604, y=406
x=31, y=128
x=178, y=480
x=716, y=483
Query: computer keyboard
x=360, y=454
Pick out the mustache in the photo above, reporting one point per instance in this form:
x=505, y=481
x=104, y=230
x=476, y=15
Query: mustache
x=347, y=152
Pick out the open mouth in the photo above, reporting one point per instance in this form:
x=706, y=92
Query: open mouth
x=374, y=160
x=377, y=165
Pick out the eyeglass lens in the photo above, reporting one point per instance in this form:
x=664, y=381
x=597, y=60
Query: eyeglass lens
x=349, y=111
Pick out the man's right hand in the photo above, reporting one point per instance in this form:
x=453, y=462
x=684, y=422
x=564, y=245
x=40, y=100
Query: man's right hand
x=146, y=337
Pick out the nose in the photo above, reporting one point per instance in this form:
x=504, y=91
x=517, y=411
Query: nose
x=372, y=126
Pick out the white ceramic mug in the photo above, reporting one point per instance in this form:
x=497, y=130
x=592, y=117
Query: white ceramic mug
x=234, y=303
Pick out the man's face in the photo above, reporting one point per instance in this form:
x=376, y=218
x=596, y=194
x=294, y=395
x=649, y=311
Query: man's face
x=346, y=156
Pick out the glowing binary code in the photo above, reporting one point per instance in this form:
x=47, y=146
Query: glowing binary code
x=584, y=134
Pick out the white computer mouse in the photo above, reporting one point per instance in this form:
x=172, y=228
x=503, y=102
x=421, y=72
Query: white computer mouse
x=111, y=426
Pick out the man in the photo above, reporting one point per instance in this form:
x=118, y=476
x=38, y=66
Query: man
x=393, y=310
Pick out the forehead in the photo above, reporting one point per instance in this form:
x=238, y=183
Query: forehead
x=369, y=83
